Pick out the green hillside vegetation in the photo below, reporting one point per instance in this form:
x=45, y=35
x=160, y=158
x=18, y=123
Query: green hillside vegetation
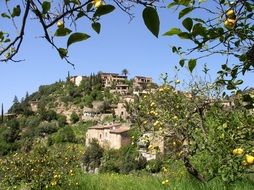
x=206, y=143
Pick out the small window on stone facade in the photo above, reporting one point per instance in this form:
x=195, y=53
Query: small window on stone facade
x=100, y=136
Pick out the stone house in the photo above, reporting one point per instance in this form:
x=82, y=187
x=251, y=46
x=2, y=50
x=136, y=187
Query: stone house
x=120, y=109
x=109, y=136
x=120, y=88
x=90, y=113
x=141, y=82
x=110, y=79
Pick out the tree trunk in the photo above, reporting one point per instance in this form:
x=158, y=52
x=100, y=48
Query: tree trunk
x=190, y=168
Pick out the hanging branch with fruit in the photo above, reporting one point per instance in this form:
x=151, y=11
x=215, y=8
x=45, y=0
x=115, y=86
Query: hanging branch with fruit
x=61, y=19
x=225, y=28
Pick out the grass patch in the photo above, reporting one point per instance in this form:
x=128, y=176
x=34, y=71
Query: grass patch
x=148, y=182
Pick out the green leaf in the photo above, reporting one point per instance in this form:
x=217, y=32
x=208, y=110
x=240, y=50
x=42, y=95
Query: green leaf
x=184, y=35
x=192, y=64
x=238, y=82
x=188, y=23
x=80, y=14
x=46, y=7
x=76, y=2
x=170, y=5
x=89, y=7
x=185, y=11
x=198, y=29
x=16, y=11
x=172, y=31
x=174, y=49
x=62, y=52
x=152, y=21
x=77, y=37
x=62, y=32
x=104, y=9
x=7, y=40
x=181, y=62
x=198, y=20
x=97, y=27
x=180, y=2
x=4, y=15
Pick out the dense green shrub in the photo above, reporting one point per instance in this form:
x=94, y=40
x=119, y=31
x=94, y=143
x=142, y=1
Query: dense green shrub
x=33, y=121
x=154, y=166
x=74, y=117
x=61, y=120
x=66, y=134
x=124, y=160
x=92, y=156
x=48, y=115
x=11, y=134
x=46, y=128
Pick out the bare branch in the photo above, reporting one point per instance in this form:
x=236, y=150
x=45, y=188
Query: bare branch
x=19, y=38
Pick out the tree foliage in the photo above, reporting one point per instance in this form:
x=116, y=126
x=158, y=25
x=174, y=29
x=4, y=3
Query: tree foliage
x=225, y=30
x=59, y=19
x=200, y=130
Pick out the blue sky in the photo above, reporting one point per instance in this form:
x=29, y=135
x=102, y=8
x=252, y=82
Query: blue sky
x=120, y=45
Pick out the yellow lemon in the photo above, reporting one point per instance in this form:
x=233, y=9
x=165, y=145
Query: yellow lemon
x=152, y=104
x=60, y=24
x=97, y=3
x=238, y=151
x=229, y=23
x=178, y=81
x=230, y=13
x=249, y=159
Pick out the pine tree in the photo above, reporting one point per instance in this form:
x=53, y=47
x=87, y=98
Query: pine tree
x=27, y=95
x=68, y=76
x=15, y=100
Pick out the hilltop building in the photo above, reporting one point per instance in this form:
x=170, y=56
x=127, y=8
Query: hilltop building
x=109, y=136
x=141, y=82
x=110, y=79
x=77, y=79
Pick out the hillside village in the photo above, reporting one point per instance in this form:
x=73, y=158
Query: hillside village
x=107, y=122
x=102, y=98
x=106, y=97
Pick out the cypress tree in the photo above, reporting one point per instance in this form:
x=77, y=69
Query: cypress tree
x=2, y=113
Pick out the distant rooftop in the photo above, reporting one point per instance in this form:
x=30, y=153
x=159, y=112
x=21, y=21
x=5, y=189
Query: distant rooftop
x=120, y=130
x=115, y=74
x=142, y=77
x=105, y=126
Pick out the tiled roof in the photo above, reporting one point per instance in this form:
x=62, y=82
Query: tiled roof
x=142, y=77
x=104, y=126
x=119, y=130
